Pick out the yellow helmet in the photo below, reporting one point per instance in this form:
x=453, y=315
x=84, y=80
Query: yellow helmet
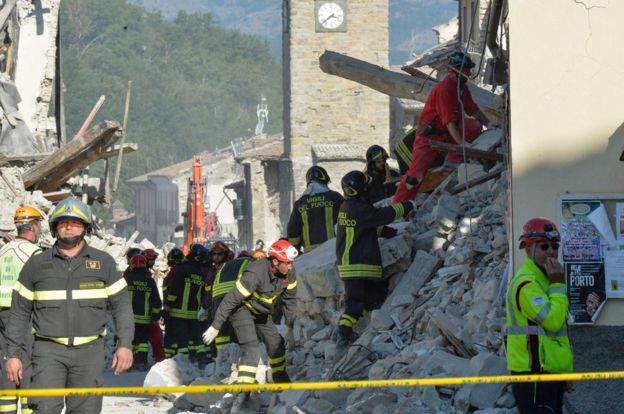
x=27, y=214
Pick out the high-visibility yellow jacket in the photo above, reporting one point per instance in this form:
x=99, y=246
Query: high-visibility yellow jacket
x=537, y=332
x=12, y=258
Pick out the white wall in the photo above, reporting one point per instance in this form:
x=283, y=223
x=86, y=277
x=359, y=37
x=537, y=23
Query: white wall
x=567, y=117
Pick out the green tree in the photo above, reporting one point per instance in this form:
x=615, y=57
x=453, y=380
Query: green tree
x=195, y=85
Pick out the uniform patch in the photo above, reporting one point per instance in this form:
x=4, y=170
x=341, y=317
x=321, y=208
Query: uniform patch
x=538, y=301
x=91, y=285
x=92, y=264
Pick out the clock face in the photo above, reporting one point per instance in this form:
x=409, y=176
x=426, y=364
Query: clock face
x=330, y=15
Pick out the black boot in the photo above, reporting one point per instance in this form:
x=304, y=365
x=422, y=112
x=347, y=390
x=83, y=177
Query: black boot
x=281, y=377
x=345, y=339
x=239, y=401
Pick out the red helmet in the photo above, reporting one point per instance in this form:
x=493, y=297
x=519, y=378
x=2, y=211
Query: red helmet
x=538, y=229
x=150, y=254
x=138, y=261
x=283, y=251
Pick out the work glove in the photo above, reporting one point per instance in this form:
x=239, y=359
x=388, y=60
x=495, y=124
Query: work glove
x=289, y=338
x=210, y=335
x=202, y=314
x=410, y=183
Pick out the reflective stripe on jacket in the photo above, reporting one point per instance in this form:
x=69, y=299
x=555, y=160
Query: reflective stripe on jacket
x=313, y=219
x=259, y=290
x=227, y=276
x=359, y=226
x=185, y=294
x=68, y=299
x=536, y=313
x=144, y=296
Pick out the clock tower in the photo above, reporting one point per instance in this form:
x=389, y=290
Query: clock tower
x=326, y=114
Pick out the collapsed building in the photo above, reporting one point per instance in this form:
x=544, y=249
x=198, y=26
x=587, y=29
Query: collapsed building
x=449, y=266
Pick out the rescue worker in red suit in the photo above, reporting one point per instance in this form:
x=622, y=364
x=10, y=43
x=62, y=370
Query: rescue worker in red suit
x=156, y=333
x=442, y=120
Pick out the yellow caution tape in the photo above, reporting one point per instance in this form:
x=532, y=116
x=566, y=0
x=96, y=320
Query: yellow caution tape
x=304, y=386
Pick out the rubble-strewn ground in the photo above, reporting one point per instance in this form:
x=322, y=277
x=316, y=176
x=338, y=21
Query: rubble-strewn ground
x=443, y=318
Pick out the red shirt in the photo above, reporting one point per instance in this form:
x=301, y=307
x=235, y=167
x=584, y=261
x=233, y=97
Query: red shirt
x=443, y=105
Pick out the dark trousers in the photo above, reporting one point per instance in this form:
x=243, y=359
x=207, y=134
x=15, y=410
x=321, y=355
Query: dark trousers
x=9, y=404
x=539, y=397
x=250, y=331
x=187, y=334
x=171, y=346
x=361, y=296
x=140, y=345
x=60, y=366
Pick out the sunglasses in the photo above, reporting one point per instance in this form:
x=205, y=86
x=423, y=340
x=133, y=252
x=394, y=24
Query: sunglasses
x=544, y=246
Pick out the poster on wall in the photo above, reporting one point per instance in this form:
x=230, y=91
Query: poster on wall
x=579, y=237
x=614, y=269
x=586, y=291
x=582, y=256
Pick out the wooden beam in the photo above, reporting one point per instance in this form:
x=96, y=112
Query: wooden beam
x=57, y=196
x=400, y=85
x=476, y=181
x=470, y=152
x=22, y=159
x=49, y=174
x=128, y=148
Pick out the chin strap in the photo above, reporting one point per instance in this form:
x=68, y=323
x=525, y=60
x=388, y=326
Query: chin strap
x=71, y=241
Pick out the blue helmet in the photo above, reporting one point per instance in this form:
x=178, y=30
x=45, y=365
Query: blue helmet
x=459, y=60
x=73, y=208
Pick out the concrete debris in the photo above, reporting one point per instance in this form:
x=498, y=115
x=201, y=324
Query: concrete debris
x=440, y=318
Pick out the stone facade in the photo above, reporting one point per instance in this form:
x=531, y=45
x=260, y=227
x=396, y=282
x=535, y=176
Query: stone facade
x=36, y=75
x=324, y=109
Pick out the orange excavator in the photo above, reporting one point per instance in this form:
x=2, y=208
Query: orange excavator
x=199, y=224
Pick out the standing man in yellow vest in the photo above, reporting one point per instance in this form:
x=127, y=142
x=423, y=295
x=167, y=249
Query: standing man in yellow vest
x=12, y=258
x=537, y=309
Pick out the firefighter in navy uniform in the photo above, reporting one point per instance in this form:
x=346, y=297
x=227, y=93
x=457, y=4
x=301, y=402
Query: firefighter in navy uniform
x=380, y=173
x=184, y=301
x=174, y=258
x=146, y=306
x=314, y=215
x=224, y=281
x=357, y=250
x=65, y=291
x=249, y=307
x=13, y=255
x=219, y=255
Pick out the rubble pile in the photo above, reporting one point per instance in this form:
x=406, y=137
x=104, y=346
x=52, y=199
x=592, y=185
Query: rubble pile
x=442, y=318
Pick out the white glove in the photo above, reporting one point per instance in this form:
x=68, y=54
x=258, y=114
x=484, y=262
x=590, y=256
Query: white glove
x=202, y=314
x=210, y=335
x=289, y=338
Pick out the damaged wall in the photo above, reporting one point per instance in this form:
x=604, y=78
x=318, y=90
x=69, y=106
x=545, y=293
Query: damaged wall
x=567, y=126
x=567, y=130
x=36, y=66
